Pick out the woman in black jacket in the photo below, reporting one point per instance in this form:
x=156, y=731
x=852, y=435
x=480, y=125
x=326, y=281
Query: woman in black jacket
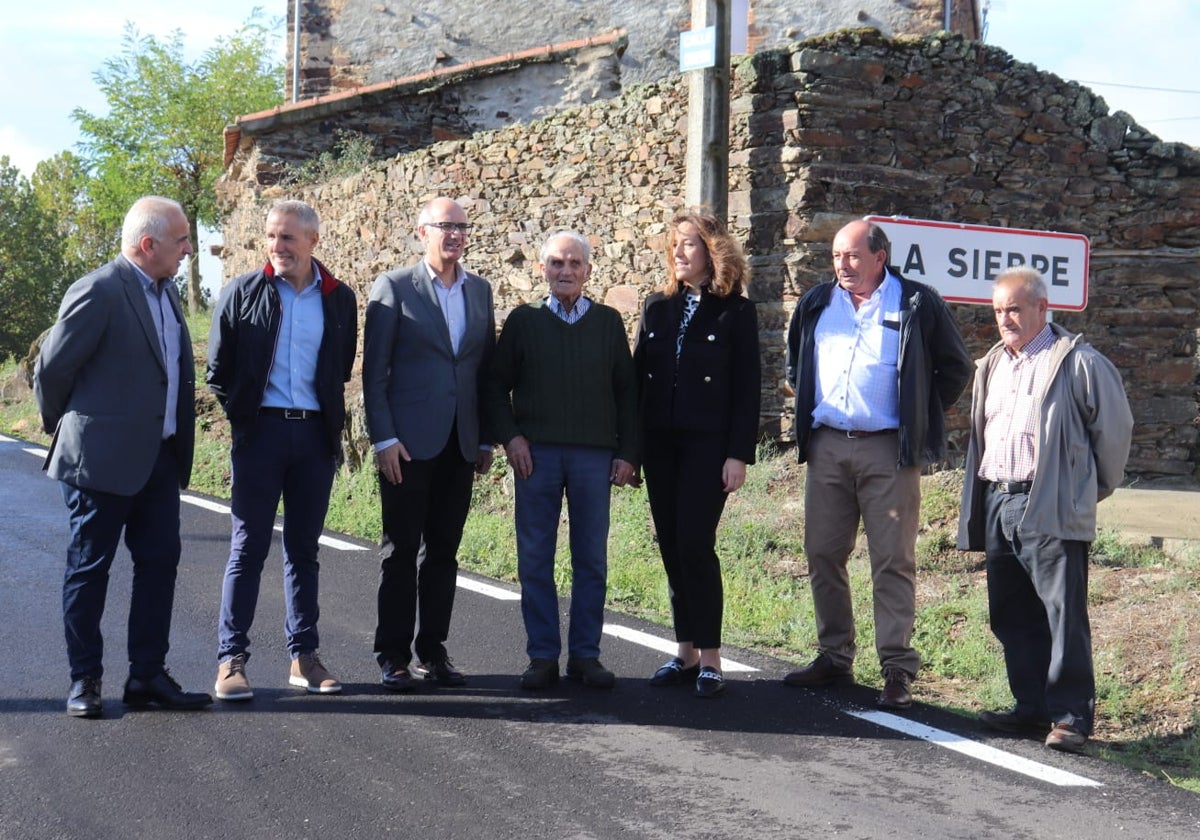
x=699, y=376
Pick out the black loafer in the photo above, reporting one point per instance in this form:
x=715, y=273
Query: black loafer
x=84, y=698
x=675, y=672
x=162, y=692
x=710, y=683
x=443, y=673
x=396, y=677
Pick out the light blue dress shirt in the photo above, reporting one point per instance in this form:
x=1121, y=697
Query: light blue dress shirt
x=166, y=324
x=292, y=382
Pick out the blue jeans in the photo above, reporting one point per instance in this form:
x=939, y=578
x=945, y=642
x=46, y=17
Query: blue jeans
x=582, y=473
x=150, y=520
x=288, y=458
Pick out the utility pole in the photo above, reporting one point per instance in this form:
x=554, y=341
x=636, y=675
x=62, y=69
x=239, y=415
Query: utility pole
x=708, y=115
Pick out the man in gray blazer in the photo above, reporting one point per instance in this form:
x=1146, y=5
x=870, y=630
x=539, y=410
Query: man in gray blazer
x=115, y=385
x=429, y=331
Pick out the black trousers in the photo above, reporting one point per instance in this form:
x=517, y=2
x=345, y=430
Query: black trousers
x=683, y=481
x=1037, y=600
x=423, y=519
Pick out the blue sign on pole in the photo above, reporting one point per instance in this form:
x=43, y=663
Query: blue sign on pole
x=698, y=49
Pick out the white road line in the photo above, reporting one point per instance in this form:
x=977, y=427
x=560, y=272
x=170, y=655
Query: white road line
x=488, y=590
x=663, y=645
x=973, y=749
x=938, y=737
x=217, y=507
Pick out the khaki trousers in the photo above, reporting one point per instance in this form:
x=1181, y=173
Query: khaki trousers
x=851, y=480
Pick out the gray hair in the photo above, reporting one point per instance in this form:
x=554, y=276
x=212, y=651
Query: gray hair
x=1026, y=278
x=149, y=216
x=304, y=214
x=426, y=214
x=578, y=238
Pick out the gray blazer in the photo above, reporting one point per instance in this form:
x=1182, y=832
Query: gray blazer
x=100, y=383
x=414, y=386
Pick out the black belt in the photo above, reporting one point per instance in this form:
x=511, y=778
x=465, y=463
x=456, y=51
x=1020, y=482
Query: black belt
x=291, y=413
x=1012, y=487
x=854, y=434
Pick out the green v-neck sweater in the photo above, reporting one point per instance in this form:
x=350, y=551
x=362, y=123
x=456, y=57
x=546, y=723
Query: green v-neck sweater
x=561, y=383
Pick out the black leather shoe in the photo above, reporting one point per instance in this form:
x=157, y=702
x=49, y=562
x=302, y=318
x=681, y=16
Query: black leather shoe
x=84, y=699
x=397, y=677
x=895, y=694
x=161, y=691
x=818, y=674
x=675, y=672
x=591, y=673
x=443, y=673
x=541, y=673
x=710, y=683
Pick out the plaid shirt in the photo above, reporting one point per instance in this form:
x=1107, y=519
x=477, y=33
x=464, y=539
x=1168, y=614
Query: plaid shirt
x=1012, y=409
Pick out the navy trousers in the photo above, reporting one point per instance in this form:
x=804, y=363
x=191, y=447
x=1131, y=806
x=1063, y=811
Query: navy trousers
x=150, y=521
x=279, y=458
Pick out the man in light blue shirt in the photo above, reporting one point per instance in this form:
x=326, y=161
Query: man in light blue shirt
x=280, y=351
x=874, y=360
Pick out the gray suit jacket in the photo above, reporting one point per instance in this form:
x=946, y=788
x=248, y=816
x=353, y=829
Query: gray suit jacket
x=414, y=386
x=100, y=383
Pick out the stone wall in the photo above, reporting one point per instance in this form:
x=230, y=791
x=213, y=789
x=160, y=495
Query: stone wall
x=824, y=131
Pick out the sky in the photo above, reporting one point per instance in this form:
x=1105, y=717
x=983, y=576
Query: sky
x=1137, y=55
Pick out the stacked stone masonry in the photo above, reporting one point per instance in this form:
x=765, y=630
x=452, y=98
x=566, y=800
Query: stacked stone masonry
x=823, y=131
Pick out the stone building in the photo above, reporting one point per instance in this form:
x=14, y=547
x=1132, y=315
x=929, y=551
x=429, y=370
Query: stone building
x=823, y=130
x=354, y=43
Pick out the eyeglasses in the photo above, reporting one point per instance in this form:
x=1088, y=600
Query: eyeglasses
x=446, y=227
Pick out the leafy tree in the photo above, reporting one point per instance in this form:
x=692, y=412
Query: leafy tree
x=61, y=185
x=32, y=273
x=163, y=133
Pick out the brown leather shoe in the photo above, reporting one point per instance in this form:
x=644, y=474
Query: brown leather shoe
x=1013, y=723
x=1065, y=738
x=895, y=694
x=818, y=674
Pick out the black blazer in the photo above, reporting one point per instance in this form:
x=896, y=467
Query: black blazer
x=717, y=385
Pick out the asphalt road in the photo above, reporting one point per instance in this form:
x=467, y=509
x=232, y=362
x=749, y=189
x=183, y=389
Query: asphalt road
x=488, y=760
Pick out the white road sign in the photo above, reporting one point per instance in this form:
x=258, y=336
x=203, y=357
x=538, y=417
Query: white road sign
x=961, y=261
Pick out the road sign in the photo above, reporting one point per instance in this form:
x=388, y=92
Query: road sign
x=961, y=261
x=697, y=48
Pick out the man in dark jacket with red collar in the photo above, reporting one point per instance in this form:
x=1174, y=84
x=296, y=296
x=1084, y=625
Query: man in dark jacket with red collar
x=279, y=354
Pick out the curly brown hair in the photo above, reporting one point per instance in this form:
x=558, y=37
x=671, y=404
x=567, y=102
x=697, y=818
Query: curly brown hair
x=730, y=272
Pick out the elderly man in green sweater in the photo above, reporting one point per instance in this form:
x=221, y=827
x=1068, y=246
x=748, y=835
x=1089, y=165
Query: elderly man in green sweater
x=562, y=398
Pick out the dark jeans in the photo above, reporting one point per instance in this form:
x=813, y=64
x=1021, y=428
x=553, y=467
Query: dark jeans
x=288, y=458
x=150, y=520
x=683, y=481
x=423, y=519
x=1037, y=600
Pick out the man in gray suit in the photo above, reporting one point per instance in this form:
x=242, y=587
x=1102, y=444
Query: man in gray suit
x=115, y=385
x=429, y=330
